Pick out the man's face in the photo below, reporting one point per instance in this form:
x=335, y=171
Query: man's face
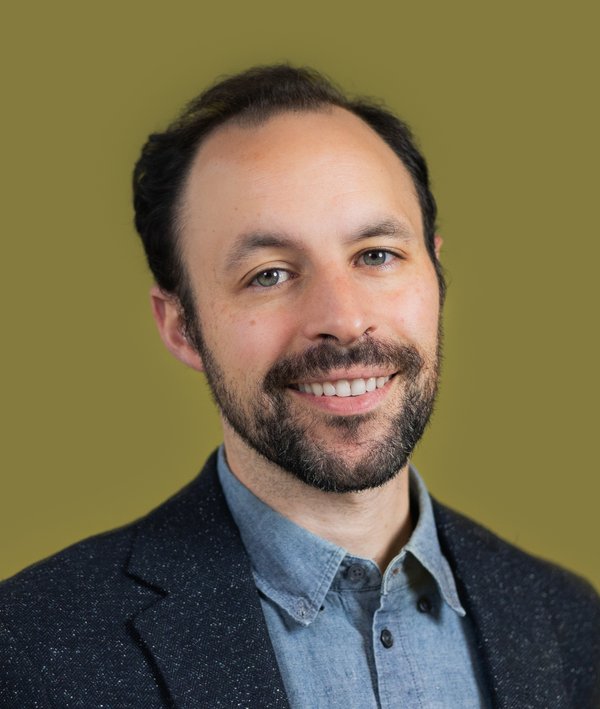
x=317, y=304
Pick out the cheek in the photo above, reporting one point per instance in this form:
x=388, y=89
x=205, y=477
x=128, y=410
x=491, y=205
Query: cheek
x=250, y=344
x=417, y=315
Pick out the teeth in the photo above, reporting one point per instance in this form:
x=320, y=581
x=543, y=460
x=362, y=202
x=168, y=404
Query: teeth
x=358, y=386
x=344, y=387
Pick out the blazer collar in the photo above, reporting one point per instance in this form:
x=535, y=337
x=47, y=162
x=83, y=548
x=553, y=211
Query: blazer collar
x=205, y=634
x=516, y=642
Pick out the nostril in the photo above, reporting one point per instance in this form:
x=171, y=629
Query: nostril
x=346, y=338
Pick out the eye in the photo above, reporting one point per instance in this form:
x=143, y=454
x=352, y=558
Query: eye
x=271, y=277
x=376, y=257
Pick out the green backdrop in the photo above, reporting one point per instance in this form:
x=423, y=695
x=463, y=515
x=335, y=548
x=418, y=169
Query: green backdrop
x=99, y=423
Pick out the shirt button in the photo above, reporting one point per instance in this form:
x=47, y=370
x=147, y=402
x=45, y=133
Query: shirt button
x=424, y=605
x=355, y=572
x=387, y=639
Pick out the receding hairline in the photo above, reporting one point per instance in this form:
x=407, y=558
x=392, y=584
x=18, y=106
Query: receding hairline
x=247, y=122
x=251, y=120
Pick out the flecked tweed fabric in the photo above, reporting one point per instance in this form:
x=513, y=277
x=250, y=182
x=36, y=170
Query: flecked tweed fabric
x=164, y=613
x=537, y=625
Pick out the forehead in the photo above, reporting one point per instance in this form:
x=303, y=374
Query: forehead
x=321, y=171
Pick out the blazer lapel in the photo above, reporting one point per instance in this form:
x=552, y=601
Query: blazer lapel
x=205, y=635
x=516, y=642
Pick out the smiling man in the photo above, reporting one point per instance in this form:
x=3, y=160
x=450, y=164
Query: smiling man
x=291, y=234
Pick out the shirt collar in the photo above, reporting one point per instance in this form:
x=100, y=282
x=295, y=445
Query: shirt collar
x=424, y=544
x=295, y=568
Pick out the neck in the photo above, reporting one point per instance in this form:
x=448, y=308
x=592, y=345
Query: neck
x=373, y=524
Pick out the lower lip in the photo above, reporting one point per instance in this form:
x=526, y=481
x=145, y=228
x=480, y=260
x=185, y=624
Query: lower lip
x=346, y=405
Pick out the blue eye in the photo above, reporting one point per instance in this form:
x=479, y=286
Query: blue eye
x=376, y=257
x=271, y=277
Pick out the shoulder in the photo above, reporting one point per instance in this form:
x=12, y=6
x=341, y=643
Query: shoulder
x=70, y=615
x=542, y=612
x=98, y=567
x=473, y=547
x=60, y=609
x=86, y=566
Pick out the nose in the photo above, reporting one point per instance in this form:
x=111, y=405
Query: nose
x=335, y=307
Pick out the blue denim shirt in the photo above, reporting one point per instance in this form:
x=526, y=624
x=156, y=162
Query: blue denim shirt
x=344, y=634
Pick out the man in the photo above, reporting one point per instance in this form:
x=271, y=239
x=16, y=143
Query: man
x=291, y=234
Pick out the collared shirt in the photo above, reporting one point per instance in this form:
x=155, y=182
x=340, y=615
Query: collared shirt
x=344, y=634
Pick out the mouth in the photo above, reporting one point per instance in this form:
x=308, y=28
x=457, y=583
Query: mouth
x=345, y=387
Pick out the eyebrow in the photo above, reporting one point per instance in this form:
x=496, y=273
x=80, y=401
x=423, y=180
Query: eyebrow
x=250, y=242
x=386, y=227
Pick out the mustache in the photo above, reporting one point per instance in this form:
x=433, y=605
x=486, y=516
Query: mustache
x=319, y=360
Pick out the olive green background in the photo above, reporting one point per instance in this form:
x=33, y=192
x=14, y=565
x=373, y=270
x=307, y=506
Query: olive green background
x=99, y=423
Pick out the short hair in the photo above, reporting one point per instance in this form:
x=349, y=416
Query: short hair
x=250, y=98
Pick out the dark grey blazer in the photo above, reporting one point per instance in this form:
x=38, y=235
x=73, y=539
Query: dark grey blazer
x=164, y=613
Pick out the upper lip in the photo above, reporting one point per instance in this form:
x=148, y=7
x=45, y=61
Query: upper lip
x=349, y=374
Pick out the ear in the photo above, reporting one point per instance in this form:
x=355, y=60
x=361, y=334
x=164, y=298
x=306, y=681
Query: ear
x=438, y=241
x=168, y=316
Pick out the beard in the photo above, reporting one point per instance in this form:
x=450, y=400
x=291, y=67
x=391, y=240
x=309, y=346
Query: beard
x=267, y=422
